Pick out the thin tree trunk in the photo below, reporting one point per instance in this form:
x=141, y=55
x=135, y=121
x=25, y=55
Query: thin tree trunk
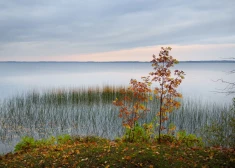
x=160, y=125
x=161, y=102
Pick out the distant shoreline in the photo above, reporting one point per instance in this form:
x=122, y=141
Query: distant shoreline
x=209, y=61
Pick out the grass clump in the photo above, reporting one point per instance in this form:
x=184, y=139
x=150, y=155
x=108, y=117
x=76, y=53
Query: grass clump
x=29, y=142
x=100, y=152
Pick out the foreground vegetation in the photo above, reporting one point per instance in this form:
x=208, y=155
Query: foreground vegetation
x=150, y=135
x=90, y=111
x=98, y=152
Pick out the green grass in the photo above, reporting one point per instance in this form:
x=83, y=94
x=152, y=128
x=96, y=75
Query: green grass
x=100, y=152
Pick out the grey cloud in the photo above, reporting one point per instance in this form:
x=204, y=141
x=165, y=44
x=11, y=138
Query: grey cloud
x=85, y=26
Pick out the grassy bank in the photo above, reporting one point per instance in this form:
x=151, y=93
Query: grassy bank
x=98, y=152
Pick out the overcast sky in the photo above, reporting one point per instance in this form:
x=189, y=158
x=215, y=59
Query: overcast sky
x=114, y=30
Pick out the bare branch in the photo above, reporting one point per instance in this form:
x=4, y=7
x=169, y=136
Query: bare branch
x=229, y=89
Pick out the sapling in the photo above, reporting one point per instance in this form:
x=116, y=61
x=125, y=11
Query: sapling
x=166, y=90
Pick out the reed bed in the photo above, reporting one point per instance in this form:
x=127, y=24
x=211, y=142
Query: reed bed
x=87, y=111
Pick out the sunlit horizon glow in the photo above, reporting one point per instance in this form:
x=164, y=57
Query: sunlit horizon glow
x=180, y=52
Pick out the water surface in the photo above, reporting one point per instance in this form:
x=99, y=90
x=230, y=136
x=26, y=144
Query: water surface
x=199, y=83
x=21, y=116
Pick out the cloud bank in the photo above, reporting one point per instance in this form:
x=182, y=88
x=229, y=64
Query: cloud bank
x=100, y=29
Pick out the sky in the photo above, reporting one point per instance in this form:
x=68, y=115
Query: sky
x=116, y=30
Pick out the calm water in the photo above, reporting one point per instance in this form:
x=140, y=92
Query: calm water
x=19, y=78
x=199, y=83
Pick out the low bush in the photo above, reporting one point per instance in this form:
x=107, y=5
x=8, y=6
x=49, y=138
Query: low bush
x=29, y=142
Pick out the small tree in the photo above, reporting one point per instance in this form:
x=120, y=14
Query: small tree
x=132, y=106
x=166, y=91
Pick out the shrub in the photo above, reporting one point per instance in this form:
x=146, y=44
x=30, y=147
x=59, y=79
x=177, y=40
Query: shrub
x=25, y=143
x=61, y=139
x=139, y=133
x=29, y=142
x=190, y=140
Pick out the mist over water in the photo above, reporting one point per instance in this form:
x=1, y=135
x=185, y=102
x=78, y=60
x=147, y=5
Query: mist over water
x=200, y=80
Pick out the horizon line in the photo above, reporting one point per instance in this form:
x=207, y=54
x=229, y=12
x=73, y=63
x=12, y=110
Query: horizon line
x=109, y=61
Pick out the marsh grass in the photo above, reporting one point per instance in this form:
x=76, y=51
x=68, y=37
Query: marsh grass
x=88, y=111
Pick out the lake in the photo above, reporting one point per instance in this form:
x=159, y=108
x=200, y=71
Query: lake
x=25, y=113
x=199, y=83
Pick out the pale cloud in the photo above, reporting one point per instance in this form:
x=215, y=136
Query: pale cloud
x=180, y=52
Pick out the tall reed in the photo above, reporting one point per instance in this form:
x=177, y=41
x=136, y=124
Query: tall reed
x=87, y=111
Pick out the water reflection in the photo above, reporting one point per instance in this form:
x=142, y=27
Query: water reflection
x=16, y=78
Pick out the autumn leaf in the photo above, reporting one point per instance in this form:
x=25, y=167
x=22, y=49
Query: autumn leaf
x=127, y=157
